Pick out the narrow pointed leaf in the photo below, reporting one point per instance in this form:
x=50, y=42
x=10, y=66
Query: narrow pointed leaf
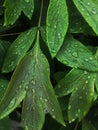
x=13, y=10
x=33, y=115
x=89, y=10
x=18, y=49
x=81, y=99
x=56, y=25
x=74, y=54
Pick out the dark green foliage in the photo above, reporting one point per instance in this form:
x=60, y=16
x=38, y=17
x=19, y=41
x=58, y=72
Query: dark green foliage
x=49, y=64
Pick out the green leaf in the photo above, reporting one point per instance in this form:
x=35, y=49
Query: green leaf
x=33, y=115
x=77, y=24
x=32, y=73
x=18, y=49
x=81, y=84
x=87, y=125
x=74, y=54
x=13, y=10
x=89, y=10
x=3, y=87
x=70, y=82
x=3, y=48
x=81, y=98
x=56, y=25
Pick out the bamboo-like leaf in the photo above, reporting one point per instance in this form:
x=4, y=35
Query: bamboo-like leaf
x=13, y=10
x=56, y=25
x=18, y=49
x=74, y=54
x=32, y=73
x=89, y=10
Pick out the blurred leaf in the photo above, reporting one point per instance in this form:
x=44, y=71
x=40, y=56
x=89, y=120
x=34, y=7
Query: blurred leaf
x=18, y=49
x=13, y=10
x=89, y=10
x=86, y=125
x=56, y=25
x=5, y=124
x=74, y=54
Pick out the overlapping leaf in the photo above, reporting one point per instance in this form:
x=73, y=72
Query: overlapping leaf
x=74, y=54
x=18, y=49
x=77, y=24
x=56, y=25
x=81, y=84
x=32, y=76
x=89, y=10
x=3, y=48
x=13, y=10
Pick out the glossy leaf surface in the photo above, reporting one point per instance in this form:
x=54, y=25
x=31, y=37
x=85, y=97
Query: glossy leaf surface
x=81, y=84
x=32, y=73
x=33, y=115
x=13, y=10
x=74, y=54
x=56, y=25
x=89, y=10
x=18, y=49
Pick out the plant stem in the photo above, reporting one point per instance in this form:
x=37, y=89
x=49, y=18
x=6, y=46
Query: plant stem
x=76, y=126
x=40, y=17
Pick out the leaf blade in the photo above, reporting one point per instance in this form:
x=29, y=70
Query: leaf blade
x=56, y=25
x=74, y=54
x=18, y=49
x=89, y=11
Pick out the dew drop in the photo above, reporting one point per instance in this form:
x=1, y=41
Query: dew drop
x=91, y=58
x=12, y=103
x=85, y=72
x=46, y=100
x=33, y=82
x=88, y=77
x=53, y=116
x=88, y=3
x=74, y=54
x=86, y=60
x=69, y=107
x=27, y=87
x=52, y=110
x=79, y=110
x=41, y=98
x=27, y=1
x=20, y=86
x=33, y=91
x=86, y=82
x=55, y=26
